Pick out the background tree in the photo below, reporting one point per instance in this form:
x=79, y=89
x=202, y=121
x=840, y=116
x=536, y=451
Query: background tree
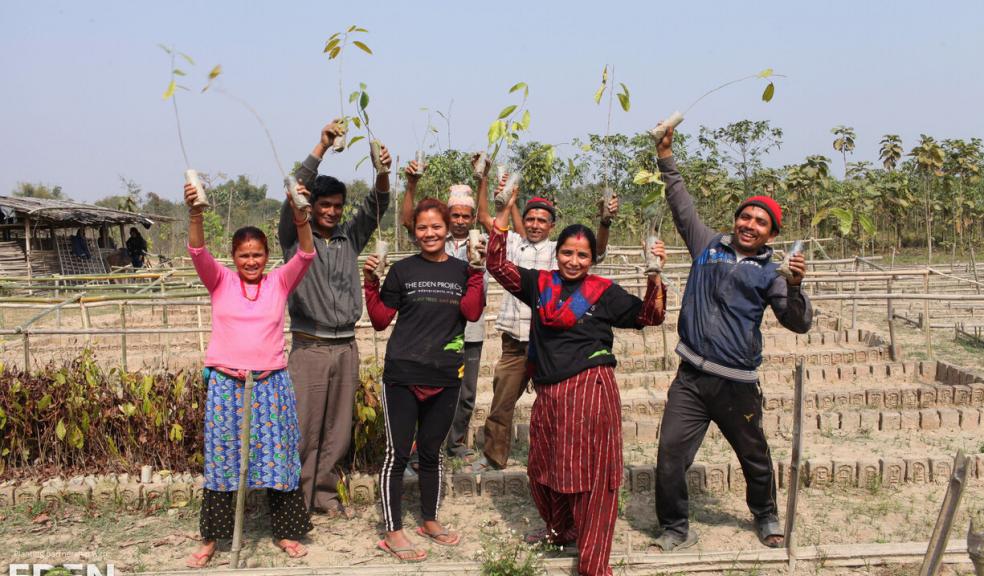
x=38, y=190
x=928, y=157
x=844, y=143
x=742, y=146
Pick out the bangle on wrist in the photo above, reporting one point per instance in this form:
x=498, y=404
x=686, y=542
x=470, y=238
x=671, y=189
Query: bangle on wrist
x=496, y=226
x=302, y=221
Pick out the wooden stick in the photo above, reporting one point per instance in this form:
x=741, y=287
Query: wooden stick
x=948, y=511
x=123, y=335
x=927, y=327
x=794, y=466
x=893, y=350
x=244, y=446
x=975, y=542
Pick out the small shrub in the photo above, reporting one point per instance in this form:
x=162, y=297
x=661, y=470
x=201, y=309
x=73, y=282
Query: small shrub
x=507, y=555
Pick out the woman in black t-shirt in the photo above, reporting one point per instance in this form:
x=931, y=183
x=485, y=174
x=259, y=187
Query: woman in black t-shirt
x=575, y=460
x=435, y=295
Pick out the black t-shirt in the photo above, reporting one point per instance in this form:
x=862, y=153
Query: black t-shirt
x=425, y=346
x=561, y=354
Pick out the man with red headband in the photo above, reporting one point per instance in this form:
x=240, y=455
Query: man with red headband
x=732, y=281
x=528, y=247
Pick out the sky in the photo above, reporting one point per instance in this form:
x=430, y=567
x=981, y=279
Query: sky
x=81, y=100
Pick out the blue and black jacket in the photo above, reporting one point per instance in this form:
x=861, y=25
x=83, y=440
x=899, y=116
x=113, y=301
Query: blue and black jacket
x=726, y=294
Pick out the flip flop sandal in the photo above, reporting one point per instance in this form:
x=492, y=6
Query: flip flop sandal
x=766, y=528
x=295, y=550
x=199, y=559
x=435, y=537
x=395, y=552
x=669, y=542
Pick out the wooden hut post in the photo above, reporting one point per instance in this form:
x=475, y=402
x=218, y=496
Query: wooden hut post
x=27, y=246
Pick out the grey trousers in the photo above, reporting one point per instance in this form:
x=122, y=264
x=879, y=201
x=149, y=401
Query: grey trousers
x=456, y=445
x=325, y=375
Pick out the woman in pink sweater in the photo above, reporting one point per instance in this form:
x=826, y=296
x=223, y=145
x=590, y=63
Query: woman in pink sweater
x=248, y=334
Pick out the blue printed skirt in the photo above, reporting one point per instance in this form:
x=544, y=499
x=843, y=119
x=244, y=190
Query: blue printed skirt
x=274, y=460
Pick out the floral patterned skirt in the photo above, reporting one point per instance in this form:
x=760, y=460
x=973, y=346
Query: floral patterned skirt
x=274, y=460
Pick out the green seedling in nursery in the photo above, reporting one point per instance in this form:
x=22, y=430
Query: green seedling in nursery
x=505, y=129
x=335, y=49
x=290, y=183
x=625, y=102
x=677, y=117
x=191, y=175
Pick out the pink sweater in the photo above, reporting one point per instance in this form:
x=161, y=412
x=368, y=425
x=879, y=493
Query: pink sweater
x=248, y=335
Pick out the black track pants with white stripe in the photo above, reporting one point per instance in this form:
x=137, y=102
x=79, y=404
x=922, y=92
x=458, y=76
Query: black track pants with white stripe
x=431, y=420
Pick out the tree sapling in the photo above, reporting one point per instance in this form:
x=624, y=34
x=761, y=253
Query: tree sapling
x=191, y=175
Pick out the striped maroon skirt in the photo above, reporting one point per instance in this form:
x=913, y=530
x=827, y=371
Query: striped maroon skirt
x=576, y=432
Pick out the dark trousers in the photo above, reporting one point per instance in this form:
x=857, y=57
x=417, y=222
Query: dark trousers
x=694, y=400
x=431, y=419
x=466, y=401
x=288, y=515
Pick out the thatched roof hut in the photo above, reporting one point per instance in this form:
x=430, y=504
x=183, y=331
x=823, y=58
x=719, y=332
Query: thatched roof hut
x=34, y=240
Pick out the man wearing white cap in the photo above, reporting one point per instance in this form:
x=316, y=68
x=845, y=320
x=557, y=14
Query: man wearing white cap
x=462, y=207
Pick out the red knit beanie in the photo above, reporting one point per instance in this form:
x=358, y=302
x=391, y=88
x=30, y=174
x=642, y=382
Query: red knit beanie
x=767, y=204
x=541, y=203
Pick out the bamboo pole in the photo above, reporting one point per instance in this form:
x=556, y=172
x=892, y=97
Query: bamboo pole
x=794, y=466
x=948, y=511
x=854, y=303
x=973, y=261
x=86, y=322
x=926, y=326
x=123, y=335
x=201, y=335
x=893, y=350
x=244, y=446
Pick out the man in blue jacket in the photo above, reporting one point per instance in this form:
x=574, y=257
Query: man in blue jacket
x=732, y=281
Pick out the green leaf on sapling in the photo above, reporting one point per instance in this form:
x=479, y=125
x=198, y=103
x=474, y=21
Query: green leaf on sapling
x=170, y=89
x=356, y=139
x=360, y=30
x=357, y=121
x=641, y=177
x=359, y=163
x=187, y=58
x=354, y=96
x=178, y=72
x=520, y=85
x=362, y=46
x=586, y=147
x=164, y=48
x=352, y=28
x=334, y=53
x=623, y=98
x=507, y=111
x=770, y=90
x=331, y=44
x=364, y=100
x=765, y=73
x=525, y=122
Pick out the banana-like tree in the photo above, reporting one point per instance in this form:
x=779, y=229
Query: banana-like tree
x=962, y=169
x=891, y=151
x=844, y=143
x=928, y=157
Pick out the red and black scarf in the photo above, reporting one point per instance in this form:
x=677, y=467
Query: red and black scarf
x=563, y=315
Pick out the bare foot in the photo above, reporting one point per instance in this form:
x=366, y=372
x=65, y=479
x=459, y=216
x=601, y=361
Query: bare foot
x=202, y=556
x=293, y=548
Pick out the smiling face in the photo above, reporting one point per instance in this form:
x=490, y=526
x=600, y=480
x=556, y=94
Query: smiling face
x=431, y=232
x=752, y=231
x=327, y=213
x=462, y=218
x=251, y=259
x=574, y=258
x=538, y=223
